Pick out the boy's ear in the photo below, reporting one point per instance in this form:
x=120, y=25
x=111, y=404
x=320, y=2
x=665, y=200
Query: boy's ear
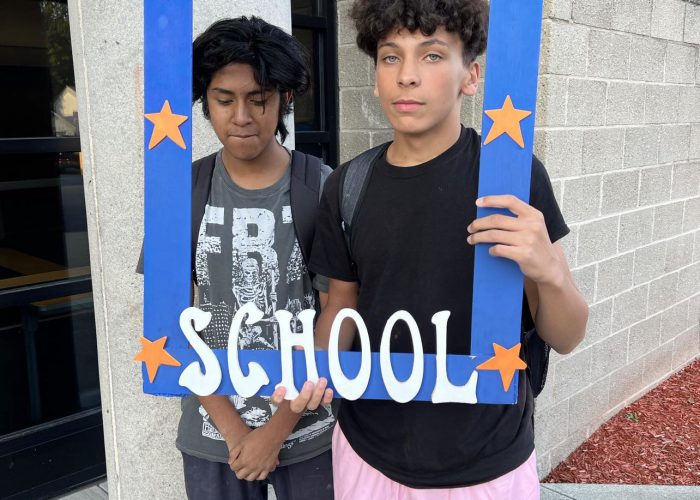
x=376, y=91
x=288, y=97
x=470, y=83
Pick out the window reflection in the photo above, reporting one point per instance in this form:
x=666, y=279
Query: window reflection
x=36, y=70
x=48, y=356
x=305, y=110
x=48, y=361
x=304, y=7
x=49, y=387
x=43, y=223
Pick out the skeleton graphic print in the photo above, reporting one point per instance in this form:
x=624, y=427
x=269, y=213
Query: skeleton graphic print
x=247, y=251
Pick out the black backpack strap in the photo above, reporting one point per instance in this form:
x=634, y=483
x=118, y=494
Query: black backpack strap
x=535, y=350
x=353, y=184
x=202, y=172
x=305, y=191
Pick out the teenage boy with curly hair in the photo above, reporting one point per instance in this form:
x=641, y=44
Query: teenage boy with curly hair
x=412, y=249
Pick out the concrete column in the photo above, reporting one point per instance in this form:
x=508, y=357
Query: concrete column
x=107, y=40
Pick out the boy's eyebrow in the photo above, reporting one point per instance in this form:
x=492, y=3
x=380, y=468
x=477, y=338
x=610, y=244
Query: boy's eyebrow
x=391, y=45
x=434, y=41
x=259, y=92
x=431, y=41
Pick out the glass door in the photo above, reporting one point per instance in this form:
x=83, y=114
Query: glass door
x=50, y=421
x=316, y=112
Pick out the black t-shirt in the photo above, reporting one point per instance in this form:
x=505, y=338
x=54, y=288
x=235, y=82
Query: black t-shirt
x=410, y=251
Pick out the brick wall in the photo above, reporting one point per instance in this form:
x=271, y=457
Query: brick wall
x=618, y=128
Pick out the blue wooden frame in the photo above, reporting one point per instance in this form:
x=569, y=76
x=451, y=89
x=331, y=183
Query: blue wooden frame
x=513, y=55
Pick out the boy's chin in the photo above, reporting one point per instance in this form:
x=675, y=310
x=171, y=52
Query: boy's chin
x=247, y=150
x=412, y=128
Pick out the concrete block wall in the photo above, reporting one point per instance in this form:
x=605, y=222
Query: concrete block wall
x=618, y=128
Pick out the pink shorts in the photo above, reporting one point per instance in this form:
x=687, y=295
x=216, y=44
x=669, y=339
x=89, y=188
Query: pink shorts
x=353, y=478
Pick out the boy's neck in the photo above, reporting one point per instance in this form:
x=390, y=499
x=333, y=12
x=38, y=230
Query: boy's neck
x=261, y=172
x=409, y=150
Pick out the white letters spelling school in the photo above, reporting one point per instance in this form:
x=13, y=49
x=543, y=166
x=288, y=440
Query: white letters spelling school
x=206, y=383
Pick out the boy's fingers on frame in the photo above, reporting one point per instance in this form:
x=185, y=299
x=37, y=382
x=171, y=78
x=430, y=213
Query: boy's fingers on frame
x=278, y=396
x=327, y=396
x=494, y=236
x=298, y=404
x=505, y=251
x=495, y=221
x=509, y=201
x=317, y=397
x=310, y=396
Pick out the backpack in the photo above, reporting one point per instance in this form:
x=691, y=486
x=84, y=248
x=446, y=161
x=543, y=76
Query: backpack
x=305, y=191
x=353, y=184
x=306, y=187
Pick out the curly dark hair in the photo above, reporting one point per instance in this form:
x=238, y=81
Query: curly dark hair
x=279, y=61
x=375, y=19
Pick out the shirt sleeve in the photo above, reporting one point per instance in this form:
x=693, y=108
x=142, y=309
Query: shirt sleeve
x=329, y=254
x=543, y=199
x=320, y=283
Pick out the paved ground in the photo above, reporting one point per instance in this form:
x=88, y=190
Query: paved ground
x=553, y=491
x=550, y=491
x=99, y=492
x=95, y=492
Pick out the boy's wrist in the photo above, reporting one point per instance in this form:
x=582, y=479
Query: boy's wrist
x=275, y=432
x=234, y=436
x=555, y=279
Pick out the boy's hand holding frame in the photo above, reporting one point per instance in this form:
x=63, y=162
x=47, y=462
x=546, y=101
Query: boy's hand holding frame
x=522, y=239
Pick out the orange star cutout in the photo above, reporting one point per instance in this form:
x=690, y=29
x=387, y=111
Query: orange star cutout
x=507, y=121
x=506, y=361
x=166, y=124
x=154, y=355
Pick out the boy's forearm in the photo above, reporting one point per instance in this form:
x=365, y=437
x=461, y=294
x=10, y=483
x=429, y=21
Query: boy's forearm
x=323, y=329
x=562, y=313
x=341, y=295
x=282, y=422
x=226, y=418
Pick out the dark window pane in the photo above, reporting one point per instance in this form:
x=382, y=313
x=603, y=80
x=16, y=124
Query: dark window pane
x=48, y=361
x=303, y=7
x=305, y=108
x=309, y=7
x=43, y=224
x=48, y=354
x=36, y=69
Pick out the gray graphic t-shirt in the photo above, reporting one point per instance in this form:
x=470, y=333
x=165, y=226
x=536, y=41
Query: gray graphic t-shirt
x=247, y=251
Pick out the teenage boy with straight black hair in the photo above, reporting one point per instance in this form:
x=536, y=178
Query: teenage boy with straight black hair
x=412, y=248
x=254, y=204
